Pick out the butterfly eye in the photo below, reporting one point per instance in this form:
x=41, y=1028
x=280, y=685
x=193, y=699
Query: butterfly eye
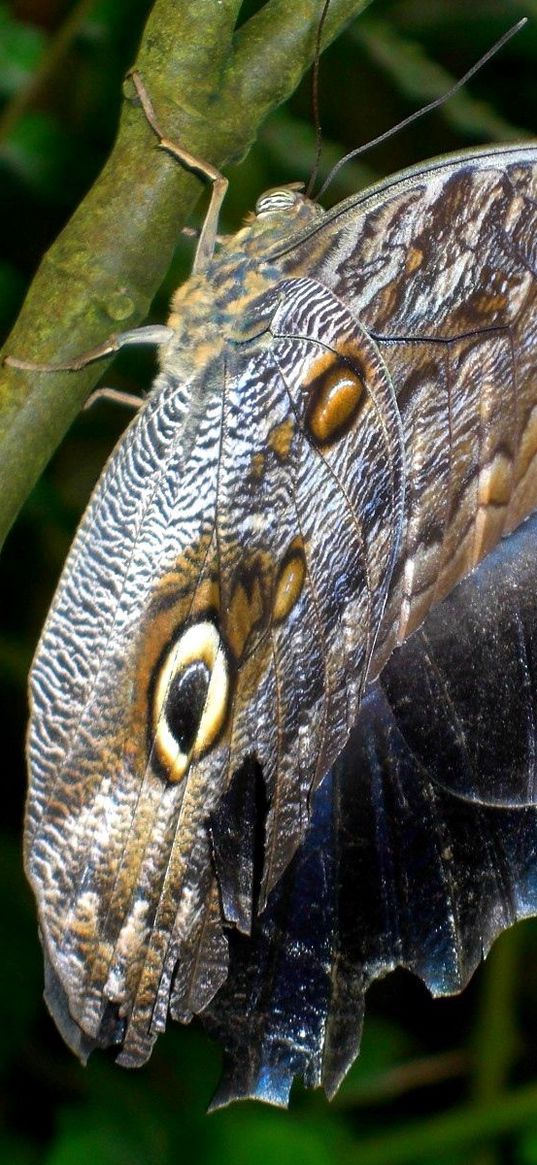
x=191, y=698
x=274, y=201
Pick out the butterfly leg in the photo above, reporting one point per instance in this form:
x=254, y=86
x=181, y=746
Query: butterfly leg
x=117, y=396
x=151, y=334
x=209, y=231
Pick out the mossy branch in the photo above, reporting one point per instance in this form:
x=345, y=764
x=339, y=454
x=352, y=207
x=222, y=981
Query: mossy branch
x=212, y=87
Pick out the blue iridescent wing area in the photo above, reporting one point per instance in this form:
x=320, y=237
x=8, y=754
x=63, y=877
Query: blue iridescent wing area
x=406, y=862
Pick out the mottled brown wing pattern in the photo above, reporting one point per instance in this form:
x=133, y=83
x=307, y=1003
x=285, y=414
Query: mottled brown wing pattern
x=440, y=267
x=343, y=425
x=228, y=575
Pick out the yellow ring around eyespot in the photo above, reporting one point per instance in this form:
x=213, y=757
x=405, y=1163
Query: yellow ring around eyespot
x=200, y=643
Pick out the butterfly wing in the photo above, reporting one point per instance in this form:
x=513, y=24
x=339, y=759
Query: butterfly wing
x=439, y=265
x=101, y=822
x=397, y=870
x=196, y=634
x=267, y=530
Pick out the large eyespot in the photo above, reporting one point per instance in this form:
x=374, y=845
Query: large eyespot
x=190, y=698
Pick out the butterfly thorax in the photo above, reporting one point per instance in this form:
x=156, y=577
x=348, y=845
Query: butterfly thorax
x=222, y=303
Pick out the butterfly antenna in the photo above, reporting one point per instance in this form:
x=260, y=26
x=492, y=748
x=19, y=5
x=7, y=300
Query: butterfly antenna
x=426, y=108
x=315, y=102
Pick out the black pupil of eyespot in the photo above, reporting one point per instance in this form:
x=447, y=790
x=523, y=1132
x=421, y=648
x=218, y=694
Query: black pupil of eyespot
x=185, y=703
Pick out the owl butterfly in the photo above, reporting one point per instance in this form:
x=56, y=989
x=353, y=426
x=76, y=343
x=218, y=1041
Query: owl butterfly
x=344, y=425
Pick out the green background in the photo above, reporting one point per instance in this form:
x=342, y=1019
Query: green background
x=438, y=1081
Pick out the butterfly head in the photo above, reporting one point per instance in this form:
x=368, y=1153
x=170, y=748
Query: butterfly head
x=280, y=198
x=282, y=208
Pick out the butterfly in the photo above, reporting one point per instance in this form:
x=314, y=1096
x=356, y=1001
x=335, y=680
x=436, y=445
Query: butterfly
x=342, y=428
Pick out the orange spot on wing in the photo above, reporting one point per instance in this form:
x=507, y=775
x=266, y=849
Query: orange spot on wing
x=289, y=583
x=280, y=438
x=334, y=402
x=245, y=612
x=414, y=259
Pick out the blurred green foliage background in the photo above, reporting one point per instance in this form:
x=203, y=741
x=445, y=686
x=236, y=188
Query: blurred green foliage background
x=439, y=1082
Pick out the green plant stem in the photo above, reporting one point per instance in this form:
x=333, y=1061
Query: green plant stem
x=495, y=1037
x=212, y=87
